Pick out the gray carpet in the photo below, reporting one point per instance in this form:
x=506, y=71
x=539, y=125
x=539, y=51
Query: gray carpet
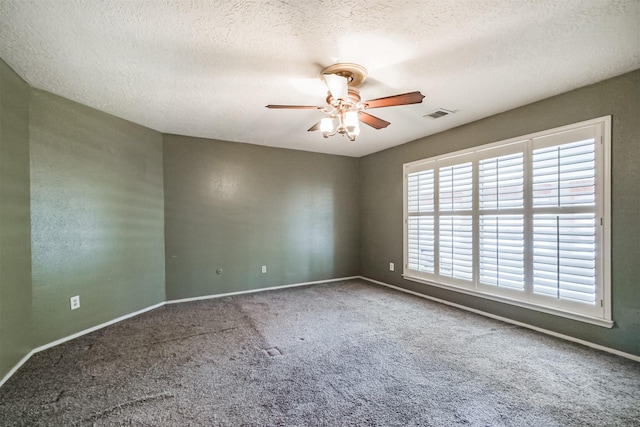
x=347, y=353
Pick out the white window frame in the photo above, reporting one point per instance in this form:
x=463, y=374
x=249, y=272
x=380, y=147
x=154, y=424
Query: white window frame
x=601, y=314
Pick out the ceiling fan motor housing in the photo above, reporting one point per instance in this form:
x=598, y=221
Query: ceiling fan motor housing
x=354, y=73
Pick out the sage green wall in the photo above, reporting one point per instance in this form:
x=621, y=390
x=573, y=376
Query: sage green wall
x=240, y=206
x=96, y=206
x=15, y=229
x=381, y=198
x=97, y=216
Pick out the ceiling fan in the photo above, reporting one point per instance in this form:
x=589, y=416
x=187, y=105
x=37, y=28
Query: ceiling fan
x=344, y=108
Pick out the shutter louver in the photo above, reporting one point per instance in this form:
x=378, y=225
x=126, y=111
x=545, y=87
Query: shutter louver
x=564, y=256
x=564, y=175
x=420, y=241
x=420, y=223
x=502, y=251
x=456, y=187
x=501, y=181
x=456, y=247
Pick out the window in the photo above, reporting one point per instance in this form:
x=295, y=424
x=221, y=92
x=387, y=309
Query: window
x=524, y=221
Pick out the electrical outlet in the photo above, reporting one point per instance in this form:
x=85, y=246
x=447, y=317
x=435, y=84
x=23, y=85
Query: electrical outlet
x=75, y=302
x=392, y=267
x=264, y=268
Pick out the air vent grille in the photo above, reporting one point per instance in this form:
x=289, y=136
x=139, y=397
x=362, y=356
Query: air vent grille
x=440, y=112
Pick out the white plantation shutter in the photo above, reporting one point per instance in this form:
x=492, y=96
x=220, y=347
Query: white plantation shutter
x=564, y=175
x=564, y=220
x=420, y=191
x=564, y=256
x=456, y=247
x=421, y=244
x=455, y=193
x=455, y=189
x=522, y=221
x=420, y=224
x=502, y=182
x=502, y=251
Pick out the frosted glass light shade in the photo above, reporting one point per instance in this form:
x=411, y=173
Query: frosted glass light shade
x=351, y=119
x=351, y=124
x=326, y=125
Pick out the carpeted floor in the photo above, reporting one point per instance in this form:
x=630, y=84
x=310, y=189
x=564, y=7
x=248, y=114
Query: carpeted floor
x=347, y=353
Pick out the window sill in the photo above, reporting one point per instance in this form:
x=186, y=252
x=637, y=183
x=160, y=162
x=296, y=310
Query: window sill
x=573, y=316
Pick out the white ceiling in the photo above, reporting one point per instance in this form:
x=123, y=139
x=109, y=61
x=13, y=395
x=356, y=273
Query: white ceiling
x=208, y=68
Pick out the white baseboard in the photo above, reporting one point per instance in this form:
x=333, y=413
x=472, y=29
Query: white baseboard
x=251, y=291
x=473, y=310
x=15, y=368
x=76, y=335
x=153, y=307
x=95, y=328
x=507, y=320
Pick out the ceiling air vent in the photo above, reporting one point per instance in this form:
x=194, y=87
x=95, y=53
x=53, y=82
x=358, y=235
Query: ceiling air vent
x=440, y=112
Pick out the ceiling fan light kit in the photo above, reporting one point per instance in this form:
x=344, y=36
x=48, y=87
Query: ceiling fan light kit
x=344, y=110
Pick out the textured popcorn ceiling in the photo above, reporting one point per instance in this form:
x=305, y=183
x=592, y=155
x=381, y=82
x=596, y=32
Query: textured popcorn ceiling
x=208, y=68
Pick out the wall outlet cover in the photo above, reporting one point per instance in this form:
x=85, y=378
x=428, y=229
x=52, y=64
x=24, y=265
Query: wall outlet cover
x=75, y=302
x=392, y=267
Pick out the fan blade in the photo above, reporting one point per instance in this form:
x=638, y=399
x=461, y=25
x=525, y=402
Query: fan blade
x=373, y=121
x=314, y=127
x=390, y=101
x=296, y=107
x=338, y=85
